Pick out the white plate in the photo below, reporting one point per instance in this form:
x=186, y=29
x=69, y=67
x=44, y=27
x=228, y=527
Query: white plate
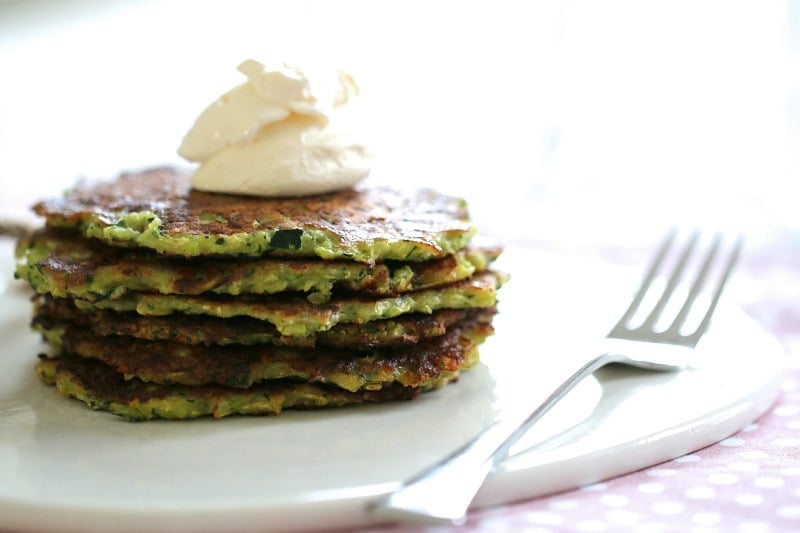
x=64, y=466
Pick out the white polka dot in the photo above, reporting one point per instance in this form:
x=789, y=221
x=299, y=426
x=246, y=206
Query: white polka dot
x=793, y=471
x=750, y=427
x=787, y=442
x=502, y=523
x=700, y=493
x=651, y=488
x=744, y=466
x=749, y=499
x=794, y=424
x=667, y=507
x=563, y=505
x=706, y=519
x=591, y=526
x=661, y=472
x=789, y=511
x=732, y=441
x=787, y=410
x=753, y=454
x=614, y=500
x=622, y=518
x=752, y=527
x=688, y=459
x=769, y=482
x=649, y=527
x=544, y=518
x=789, y=385
x=595, y=487
x=723, y=478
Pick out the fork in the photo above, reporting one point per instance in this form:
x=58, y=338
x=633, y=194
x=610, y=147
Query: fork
x=443, y=492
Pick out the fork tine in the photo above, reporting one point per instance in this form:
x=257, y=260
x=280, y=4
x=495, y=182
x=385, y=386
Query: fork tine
x=672, y=282
x=732, y=259
x=697, y=286
x=646, y=282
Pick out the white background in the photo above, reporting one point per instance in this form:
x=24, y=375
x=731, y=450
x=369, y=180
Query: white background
x=558, y=120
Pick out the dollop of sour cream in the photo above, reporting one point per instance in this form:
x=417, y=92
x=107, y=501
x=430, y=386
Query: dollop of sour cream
x=281, y=133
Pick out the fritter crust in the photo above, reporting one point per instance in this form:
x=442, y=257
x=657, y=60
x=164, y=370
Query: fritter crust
x=99, y=387
x=170, y=363
x=158, y=209
x=66, y=265
x=54, y=314
x=294, y=316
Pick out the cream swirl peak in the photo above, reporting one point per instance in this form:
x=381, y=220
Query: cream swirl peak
x=281, y=133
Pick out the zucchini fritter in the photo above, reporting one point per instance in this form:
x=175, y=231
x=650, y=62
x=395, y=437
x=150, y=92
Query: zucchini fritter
x=52, y=315
x=101, y=388
x=160, y=301
x=66, y=265
x=294, y=316
x=170, y=363
x=158, y=209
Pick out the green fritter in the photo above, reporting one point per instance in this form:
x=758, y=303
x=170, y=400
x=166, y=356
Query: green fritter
x=99, y=387
x=158, y=209
x=243, y=366
x=52, y=315
x=294, y=316
x=66, y=265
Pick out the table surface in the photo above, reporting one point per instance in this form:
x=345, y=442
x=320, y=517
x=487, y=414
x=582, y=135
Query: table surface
x=593, y=127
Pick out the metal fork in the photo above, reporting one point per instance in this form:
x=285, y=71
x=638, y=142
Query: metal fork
x=443, y=492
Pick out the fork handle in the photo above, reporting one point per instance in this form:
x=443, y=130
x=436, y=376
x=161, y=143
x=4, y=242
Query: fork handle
x=443, y=492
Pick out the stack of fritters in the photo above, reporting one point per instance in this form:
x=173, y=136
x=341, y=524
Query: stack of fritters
x=160, y=301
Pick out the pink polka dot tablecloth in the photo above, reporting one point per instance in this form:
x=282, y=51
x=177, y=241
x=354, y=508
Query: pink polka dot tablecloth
x=747, y=483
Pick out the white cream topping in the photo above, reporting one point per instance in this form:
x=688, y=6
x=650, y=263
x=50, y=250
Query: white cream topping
x=278, y=134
